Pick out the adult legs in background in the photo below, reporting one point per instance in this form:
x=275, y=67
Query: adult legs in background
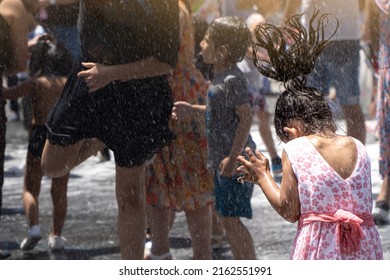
x=381, y=210
x=2, y=149
x=266, y=135
x=239, y=238
x=217, y=231
x=338, y=66
x=355, y=121
x=130, y=194
x=199, y=225
x=130, y=190
x=159, y=224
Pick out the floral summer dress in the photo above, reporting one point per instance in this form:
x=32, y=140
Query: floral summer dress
x=178, y=178
x=335, y=221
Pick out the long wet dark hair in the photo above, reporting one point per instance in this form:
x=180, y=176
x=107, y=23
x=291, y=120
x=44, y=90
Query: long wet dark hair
x=50, y=57
x=292, y=52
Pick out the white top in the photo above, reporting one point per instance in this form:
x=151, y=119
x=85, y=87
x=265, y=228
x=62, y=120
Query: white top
x=346, y=11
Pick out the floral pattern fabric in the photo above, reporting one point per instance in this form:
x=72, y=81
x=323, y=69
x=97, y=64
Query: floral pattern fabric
x=322, y=190
x=178, y=178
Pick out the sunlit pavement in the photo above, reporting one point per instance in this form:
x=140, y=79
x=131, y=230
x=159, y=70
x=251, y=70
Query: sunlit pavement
x=90, y=227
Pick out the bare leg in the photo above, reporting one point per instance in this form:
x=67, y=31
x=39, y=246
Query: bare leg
x=159, y=221
x=31, y=189
x=239, y=238
x=199, y=225
x=58, y=192
x=384, y=194
x=217, y=228
x=266, y=134
x=172, y=216
x=130, y=195
x=57, y=161
x=355, y=121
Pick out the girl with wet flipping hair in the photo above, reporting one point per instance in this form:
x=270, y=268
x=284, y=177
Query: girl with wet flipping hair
x=326, y=185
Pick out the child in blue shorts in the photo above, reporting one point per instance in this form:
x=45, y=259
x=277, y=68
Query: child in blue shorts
x=228, y=122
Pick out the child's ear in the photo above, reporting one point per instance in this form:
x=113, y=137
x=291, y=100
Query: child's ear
x=292, y=132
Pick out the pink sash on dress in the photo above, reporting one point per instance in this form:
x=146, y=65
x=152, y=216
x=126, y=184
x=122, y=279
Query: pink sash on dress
x=348, y=227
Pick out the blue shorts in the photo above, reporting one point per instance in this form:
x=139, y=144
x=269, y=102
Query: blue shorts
x=338, y=67
x=232, y=199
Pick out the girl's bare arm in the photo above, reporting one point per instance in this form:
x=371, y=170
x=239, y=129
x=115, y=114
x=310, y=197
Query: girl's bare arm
x=27, y=87
x=284, y=199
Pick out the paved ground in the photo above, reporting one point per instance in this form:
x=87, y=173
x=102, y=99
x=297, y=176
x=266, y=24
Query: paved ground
x=91, y=221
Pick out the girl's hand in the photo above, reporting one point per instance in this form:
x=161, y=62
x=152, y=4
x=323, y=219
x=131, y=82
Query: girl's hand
x=227, y=167
x=95, y=76
x=255, y=168
x=181, y=110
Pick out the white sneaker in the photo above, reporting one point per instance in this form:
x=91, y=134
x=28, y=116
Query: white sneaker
x=34, y=235
x=56, y=243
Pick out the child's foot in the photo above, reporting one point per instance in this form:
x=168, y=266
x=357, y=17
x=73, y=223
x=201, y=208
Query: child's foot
x=276, y=166
x=34, y=235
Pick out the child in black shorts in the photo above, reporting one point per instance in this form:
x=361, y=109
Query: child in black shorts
x=49, y=66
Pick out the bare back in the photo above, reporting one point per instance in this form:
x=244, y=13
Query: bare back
x=339, y=152
x=47, y=93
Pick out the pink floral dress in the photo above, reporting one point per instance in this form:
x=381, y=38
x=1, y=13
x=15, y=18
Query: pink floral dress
x=335, y=221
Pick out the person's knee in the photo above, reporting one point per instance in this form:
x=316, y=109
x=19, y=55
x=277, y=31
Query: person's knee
x=54, y=161
x=53, y=170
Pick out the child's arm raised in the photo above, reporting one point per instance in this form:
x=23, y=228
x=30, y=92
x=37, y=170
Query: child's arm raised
x=183, y=110
x=27, y=87
x=284, y=199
